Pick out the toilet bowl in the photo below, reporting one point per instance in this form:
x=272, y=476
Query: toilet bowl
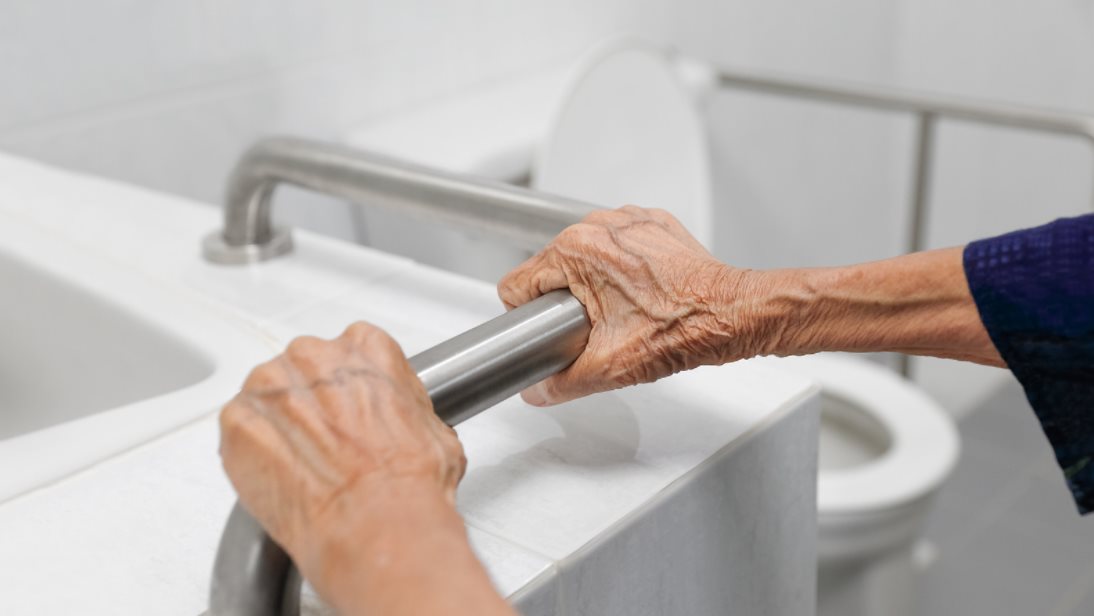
x=632, y=130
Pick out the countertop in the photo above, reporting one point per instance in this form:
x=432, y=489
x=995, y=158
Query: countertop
x=136, y=534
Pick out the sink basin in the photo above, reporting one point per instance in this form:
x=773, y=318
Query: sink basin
x=96, y=358
x=66, y=353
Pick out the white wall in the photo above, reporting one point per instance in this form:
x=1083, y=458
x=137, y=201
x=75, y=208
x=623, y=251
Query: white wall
x=167, y=95
x=789, y=175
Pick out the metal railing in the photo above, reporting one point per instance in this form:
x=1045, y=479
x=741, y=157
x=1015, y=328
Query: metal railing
x=927, y=109
x=524, y=217
x=252, y=575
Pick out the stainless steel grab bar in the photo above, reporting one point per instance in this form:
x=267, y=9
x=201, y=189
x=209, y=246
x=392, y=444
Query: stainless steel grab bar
x=253, y=576
x=524, y=217
x=530, y=218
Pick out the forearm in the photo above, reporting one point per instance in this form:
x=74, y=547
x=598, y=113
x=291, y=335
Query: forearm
x=918, y=304
x=406, y=555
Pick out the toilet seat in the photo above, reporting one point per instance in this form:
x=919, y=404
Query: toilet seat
x=924, y=444
x=628, y=132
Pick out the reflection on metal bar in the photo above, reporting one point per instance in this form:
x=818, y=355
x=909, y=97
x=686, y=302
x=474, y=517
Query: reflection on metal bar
x=521, y=216
x=253, y=576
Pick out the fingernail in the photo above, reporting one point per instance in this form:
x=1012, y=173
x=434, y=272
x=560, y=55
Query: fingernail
x=533, y=396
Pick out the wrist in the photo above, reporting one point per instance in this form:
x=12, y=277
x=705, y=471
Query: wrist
x=379, y=524
x=765, y=312
x=410, y=538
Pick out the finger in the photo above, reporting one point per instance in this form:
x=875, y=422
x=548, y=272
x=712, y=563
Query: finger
x=550, y=391
x=265, y=376
x=256, y=461
x=532, y=280
x=676, y=228
x=374, y=350
x=512, y=288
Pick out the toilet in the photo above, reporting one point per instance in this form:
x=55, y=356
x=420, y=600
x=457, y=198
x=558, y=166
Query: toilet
x=631, y=130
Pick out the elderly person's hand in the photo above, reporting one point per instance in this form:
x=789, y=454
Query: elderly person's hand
x=657, y=301
x=335, y=449
x=660, y=303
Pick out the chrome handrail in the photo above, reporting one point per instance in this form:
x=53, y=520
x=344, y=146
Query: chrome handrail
x=521, y=216
x=253, y=576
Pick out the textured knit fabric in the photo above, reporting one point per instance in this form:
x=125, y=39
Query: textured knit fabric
x=1035, y=293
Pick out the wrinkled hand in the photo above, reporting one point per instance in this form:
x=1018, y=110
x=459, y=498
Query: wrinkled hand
x=322, y=440
x=656, y=299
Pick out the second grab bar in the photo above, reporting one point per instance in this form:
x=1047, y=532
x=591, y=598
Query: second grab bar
x=465, y=375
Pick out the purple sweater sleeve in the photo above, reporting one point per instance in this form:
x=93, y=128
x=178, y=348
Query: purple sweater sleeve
x=1035, y=293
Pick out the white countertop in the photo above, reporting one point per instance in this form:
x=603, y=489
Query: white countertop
x=136, y=534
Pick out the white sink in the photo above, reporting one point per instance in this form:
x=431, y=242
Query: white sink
x=96, y=359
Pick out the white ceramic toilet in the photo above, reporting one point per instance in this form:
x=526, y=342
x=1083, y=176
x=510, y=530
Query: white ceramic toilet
x=632, y=131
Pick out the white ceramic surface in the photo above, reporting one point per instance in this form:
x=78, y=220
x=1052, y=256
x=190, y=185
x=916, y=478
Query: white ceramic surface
x=135, y=533
x=67, y=350
x=96, y=359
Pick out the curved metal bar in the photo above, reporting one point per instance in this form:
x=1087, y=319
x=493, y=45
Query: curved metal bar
x=524, y=217
x=465, y=375
x=942, y=106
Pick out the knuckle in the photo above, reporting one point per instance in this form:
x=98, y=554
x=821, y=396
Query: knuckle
x=234, y=419
x=303, y=346
x=507, y=290
x=598, y=216
x=263, y=376
x=387, y=345
x=569, y=235
x=661, y=215
x=360, y=330
x=580, y=234
x=231, y=416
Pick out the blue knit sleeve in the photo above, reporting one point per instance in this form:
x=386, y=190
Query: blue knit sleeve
x=1035, y=293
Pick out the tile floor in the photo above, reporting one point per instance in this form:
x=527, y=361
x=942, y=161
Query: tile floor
x=1008, y=537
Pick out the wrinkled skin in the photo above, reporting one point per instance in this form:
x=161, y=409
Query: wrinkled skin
x=321, y=439
x=335, y=449
x=654, y=295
